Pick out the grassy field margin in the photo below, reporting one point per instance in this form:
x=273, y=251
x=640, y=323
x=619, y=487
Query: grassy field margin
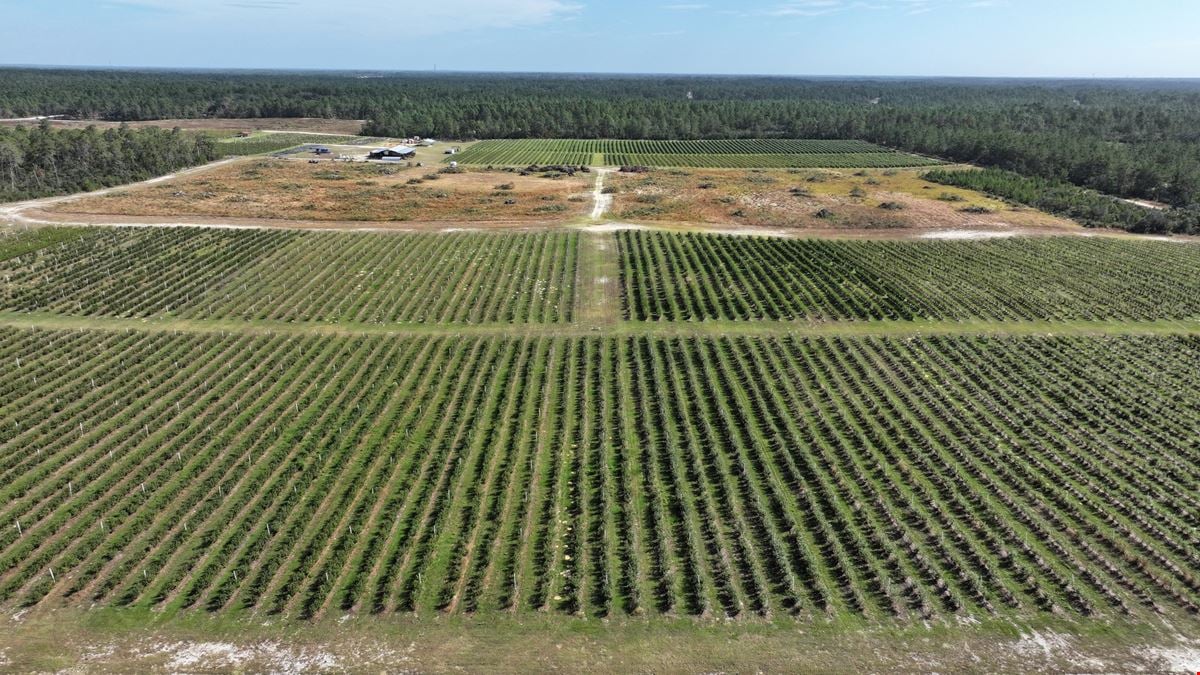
x=142, y=641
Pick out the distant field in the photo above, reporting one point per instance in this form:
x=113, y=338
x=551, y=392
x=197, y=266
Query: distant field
x=259, y=143
x=299, y=276
x=937, y=479
x=704, y=277
x=720, y=154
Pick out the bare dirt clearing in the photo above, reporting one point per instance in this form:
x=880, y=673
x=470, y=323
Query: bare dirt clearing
x=294, y=194
x=968, y=234
x=18, y=212
x=1147, y=204
x=335, y=192
x=889, y=203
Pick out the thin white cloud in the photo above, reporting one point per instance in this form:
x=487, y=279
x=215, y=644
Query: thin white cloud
x=375, y=16
x=807, y=8
x=816, y=8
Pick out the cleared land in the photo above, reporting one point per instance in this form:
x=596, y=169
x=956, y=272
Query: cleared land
x=289, y=190
x=732, y=153
x=299, y=276
x=701, y=277
x=875, y=478
x=874, y=202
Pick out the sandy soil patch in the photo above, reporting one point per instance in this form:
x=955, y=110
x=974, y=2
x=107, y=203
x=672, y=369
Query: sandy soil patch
x=1179, y=659
x=816, y=200
x=602, y=201
x=614, y=227
x=749, y=231
x=1147, y=204
x=293, y=191
x=39, y=217
x=967, y=235
x=276, y=657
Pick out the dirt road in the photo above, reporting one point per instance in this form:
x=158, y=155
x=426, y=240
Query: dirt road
x=15, y=213
x=603, y=201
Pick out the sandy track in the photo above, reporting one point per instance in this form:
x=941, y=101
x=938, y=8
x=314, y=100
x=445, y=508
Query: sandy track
x=16, y=212
x=603, y=201
x=32, y=214
x=36, y=216
x=39, y=118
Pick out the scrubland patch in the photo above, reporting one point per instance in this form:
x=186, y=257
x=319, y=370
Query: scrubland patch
x=843, y=200
x=335, y=191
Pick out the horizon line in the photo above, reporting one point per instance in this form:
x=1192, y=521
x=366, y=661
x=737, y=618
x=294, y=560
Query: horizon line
x=438, y=71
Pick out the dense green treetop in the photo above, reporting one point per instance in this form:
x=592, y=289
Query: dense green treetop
x=1126, y=138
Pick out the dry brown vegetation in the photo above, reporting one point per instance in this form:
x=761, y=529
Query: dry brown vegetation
x=336, y=191
x=872, y=200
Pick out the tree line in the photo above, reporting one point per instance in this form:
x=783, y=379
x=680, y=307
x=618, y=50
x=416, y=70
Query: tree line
x=1127, y=138
x=40, y=161
x=1086, y=207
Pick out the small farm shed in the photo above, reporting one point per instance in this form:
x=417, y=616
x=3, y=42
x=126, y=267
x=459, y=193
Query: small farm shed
x=398, y=152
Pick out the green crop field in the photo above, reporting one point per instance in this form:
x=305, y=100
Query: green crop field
x=260, y=143
x=878, y=478
x=209, y=428
x=299, y=276
x=14, y=242
x=718, y=154
x=479, y=278
x=697, y=276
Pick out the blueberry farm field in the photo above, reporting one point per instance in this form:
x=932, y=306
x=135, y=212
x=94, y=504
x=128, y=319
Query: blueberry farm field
x=686, y=432
x=486, y=277
x=881, y=478
x=263, y=142
x=717, y=154
x=300, y=276
x=699, y=277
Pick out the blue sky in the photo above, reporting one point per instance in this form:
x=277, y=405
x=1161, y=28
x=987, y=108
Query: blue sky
x=1058, y=38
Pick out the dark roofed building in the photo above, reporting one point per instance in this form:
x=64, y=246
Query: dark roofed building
x=398, y=152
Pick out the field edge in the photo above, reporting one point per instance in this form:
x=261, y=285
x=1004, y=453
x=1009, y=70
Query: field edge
x=132, y=640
